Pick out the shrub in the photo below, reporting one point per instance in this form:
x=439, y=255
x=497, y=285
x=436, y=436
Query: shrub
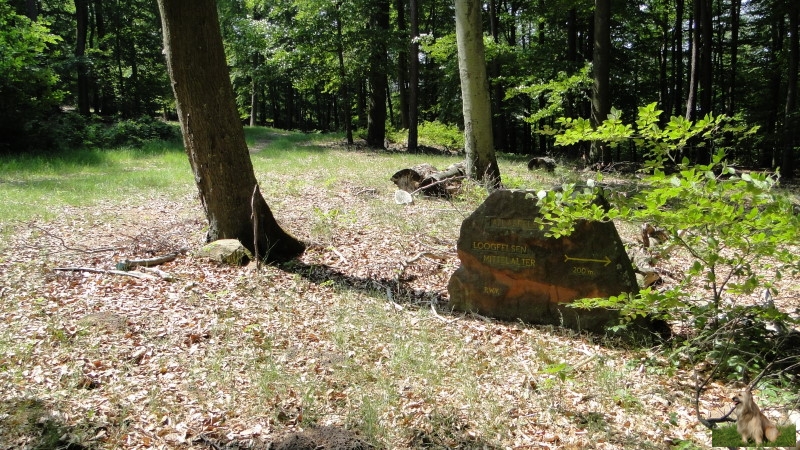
x=439, y=134
x=132, y=132
x=735, y=228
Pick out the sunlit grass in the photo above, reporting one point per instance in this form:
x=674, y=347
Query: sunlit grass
x=38, y=186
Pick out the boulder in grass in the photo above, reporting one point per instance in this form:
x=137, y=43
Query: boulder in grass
x=226, y=251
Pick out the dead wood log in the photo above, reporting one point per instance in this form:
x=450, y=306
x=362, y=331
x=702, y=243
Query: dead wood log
x=542, y=162
x=429, y=180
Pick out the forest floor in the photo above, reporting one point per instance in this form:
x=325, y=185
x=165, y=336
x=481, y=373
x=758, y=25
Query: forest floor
x=355, y=335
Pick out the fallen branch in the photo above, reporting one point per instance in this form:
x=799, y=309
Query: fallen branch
x=404, y=264
x=436, y=183
x=333, y=249
x=67, y=247
x=110, y=272
x=436, y=314
x=424, y=254
x=163, y=275
x=129, y=264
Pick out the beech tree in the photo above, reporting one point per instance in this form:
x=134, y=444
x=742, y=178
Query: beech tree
x=213, y=135
x=478, y=140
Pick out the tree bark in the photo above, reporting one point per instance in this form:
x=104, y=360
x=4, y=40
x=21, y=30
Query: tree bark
x=212, y=133
x=478, y=141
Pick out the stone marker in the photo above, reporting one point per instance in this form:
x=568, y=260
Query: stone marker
x=510, y=270
x=226, y=251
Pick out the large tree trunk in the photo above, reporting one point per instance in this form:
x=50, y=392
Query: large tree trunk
x=601, y=69
x=478, y=141
x=212, y=133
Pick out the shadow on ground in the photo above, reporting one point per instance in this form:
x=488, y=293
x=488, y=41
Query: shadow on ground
x=391, y=288
x=30, y=423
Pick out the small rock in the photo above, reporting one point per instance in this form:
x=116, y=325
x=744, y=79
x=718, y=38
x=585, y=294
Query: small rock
x=226, y=251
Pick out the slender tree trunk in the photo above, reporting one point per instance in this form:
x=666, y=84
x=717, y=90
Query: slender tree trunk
x=413, y=77
x=104, y=89
x=543, y=150
x=254, y=87
x=135, y=93
x=677, y=59
x=212, y=133
x=500, y=122
x=774, y=72
x=344, y=93
x=376, y=116
x=706, y=57
x=663, y=58
x=361, y=105
x=601, y=69
x=402, y=66
x=572, y=40
x=82, y=20
x=730, y=107
x=790, y=114
x=691, y=99
x=478, y=142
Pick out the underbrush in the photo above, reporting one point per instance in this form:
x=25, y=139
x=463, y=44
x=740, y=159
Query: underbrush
x=65, y=131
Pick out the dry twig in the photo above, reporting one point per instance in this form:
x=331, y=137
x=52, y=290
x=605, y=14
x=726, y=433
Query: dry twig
x=110, y=272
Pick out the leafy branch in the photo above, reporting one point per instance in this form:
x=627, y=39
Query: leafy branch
x=736, y=228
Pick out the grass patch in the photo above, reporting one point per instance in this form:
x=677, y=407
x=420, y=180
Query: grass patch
x=34, y=186
x=727, y=436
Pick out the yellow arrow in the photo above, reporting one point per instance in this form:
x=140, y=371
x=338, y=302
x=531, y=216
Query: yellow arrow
x=605, y=260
